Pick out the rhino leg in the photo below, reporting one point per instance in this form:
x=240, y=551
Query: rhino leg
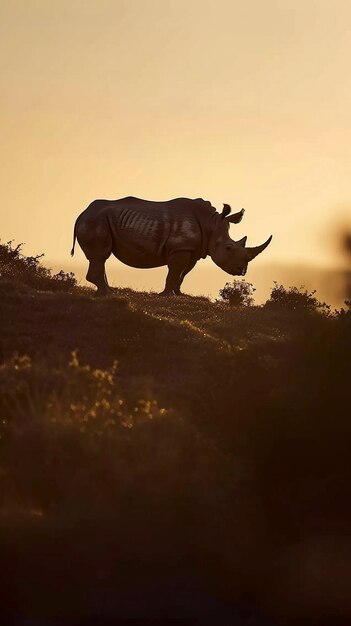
x=179, y=264
x=94, y=238
x=188, y=269
x=97, y=275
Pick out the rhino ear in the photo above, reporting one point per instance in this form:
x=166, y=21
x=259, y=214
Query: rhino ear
x=226, y=211
x=236, y=217
x=242, y=242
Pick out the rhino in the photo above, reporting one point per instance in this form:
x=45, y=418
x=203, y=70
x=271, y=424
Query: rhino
x=146, y=234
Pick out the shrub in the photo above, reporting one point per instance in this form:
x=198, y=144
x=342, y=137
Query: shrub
x=295, y=298
x=345, y=313
x=28, y=270
x=76, y=394
x=59, y=420
x=238, y=293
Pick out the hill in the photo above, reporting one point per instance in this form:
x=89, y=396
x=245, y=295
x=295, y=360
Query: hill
x=171, y=458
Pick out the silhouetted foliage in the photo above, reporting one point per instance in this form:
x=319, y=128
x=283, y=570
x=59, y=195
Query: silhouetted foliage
x=238, y=293
x=295, y=298
x=345, y=312
x=28, y=270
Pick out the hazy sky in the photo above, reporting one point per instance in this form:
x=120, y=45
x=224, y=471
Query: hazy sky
x=242, y=102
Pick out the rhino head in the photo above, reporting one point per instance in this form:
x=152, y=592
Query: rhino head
x=231, y=256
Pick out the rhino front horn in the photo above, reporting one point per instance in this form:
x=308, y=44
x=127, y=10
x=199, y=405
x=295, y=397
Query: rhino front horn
x=253, y=252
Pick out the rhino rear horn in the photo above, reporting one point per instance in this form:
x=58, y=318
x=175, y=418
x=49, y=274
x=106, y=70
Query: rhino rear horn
x=242, y=242
x=253, y=252
x=236, y=217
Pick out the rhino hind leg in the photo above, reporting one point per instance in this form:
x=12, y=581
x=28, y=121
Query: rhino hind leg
x=179, y=264
x=97, y=275
x=95, y=239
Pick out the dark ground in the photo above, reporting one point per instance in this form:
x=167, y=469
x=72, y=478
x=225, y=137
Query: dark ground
x=203, y=477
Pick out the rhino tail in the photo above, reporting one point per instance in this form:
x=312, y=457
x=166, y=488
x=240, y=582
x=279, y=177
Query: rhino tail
x=74, y=239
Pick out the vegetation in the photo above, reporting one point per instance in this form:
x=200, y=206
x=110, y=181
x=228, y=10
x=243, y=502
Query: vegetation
x=238, y=293
x=294, y=298
x=172, y=458
x=28, y=270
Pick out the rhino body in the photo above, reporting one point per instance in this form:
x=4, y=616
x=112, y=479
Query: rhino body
x=146, y=234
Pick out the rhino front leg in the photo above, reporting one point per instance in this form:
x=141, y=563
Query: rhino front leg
x=179, y=264
x=188, y=269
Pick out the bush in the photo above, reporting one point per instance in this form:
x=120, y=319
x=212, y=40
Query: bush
x=28, y=270
x=238, y=293
x=345, y=313
x=295, y=298
x=79, y=395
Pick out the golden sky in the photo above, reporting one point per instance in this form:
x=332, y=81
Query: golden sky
x=244, y=102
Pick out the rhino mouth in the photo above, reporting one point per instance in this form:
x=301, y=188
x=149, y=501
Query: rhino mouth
x=238, y=271
x=241, y=272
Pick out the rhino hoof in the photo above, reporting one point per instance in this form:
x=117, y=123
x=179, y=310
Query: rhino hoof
x=168, y=293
